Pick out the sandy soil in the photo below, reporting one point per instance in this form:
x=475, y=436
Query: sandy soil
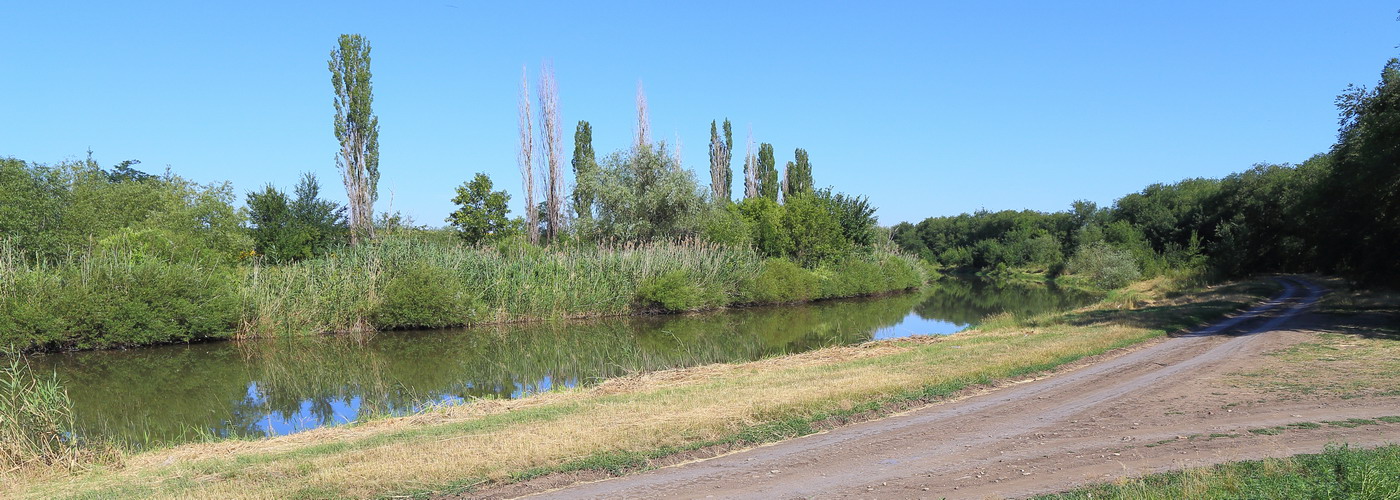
x=1163, y=405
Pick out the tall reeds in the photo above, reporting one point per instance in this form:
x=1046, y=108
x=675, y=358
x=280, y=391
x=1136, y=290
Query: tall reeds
x=123, y=297
x=36, y=420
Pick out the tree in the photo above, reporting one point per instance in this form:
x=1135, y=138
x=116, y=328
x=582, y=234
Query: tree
x=767, y=172
x=1362, y=211
x=728, y=159
x=643, y=195
x=482, y=214
x=720, y=153
x=553, y=150
x=798, y=176
x=585, y=165
x=527, y=150
x=750, y=170
x=286, y=230
x=357, y=129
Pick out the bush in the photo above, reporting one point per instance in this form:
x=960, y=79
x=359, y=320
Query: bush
x=420, y=295
x=850, y=277
x=765, y=218
x=1105, y=266
x=780, y=281
x=112, y=300
x=727, y=226
x=676, y=291
x=815, y=231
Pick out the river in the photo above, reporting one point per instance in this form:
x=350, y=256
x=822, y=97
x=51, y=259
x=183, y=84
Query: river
x=176, y=393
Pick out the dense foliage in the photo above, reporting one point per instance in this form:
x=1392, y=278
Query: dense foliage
x=482, y=214
x=1337, y=212
x=287, y=229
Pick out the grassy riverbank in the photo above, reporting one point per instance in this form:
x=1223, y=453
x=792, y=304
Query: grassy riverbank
x=112, y=298
x=625, y=422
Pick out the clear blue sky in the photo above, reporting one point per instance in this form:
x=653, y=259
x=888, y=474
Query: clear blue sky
x=930, y=108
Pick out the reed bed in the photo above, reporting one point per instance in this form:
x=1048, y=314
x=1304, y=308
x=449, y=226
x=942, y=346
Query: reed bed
x=121, y=297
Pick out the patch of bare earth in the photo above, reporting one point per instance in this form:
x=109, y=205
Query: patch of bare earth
x=1169, y=404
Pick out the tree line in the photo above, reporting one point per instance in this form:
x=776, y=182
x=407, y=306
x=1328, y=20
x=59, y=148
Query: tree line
x=1337, y=212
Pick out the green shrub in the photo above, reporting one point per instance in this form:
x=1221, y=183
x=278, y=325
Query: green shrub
x=727, y=226
x=676, y=291
x=1105, y=266
x=850, y=277
x=778, y=281
x=112, y=300
x=421, y=295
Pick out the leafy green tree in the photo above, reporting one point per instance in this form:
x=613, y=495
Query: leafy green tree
x=482, y=214
x=729, y=159
x=1361, y=193
x=767, y=172
x=288, y=229
x=357, y=129
x=585, y=165
x=721, y=151
x=798, y=175
x=854, y=214
x=813, y=229
x=643, y=194
x=32, y=201
x=766, y=225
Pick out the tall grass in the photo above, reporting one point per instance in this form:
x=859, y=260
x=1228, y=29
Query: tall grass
x=111, y=298
x=36, y=420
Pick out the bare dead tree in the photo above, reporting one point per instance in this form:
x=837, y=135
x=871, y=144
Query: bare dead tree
x=643, y=120
x=750, y=170
x=678, y=152
x=527, y=149
x=553, y=149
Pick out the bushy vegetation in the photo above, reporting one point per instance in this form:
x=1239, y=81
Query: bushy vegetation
x=1337, y=212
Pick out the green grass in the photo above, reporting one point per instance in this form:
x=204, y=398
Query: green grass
x=1338, y=472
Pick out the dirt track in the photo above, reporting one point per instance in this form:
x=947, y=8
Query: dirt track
x=1159, y=407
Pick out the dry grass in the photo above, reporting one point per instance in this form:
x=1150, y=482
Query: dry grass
x=495, y=440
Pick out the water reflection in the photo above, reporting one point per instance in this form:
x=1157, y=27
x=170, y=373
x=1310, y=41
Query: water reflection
x=174, y=393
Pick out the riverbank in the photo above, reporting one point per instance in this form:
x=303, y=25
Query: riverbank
x=111, y=299
x=628, y=422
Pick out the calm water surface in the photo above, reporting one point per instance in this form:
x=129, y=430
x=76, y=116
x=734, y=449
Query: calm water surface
x=175, y=393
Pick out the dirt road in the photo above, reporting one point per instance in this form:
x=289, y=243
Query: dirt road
x=1159, y=407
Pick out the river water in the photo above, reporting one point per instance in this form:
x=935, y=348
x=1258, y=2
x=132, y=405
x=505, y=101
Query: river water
x=175, y=393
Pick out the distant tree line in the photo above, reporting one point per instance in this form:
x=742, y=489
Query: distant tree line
x=1338, y=212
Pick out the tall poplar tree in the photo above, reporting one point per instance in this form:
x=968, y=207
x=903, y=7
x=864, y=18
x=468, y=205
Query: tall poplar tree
x=720, y=152
x=798, y=176
x=585, y=165
x=357, y=129
x=767, y=172
x=729, y=159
